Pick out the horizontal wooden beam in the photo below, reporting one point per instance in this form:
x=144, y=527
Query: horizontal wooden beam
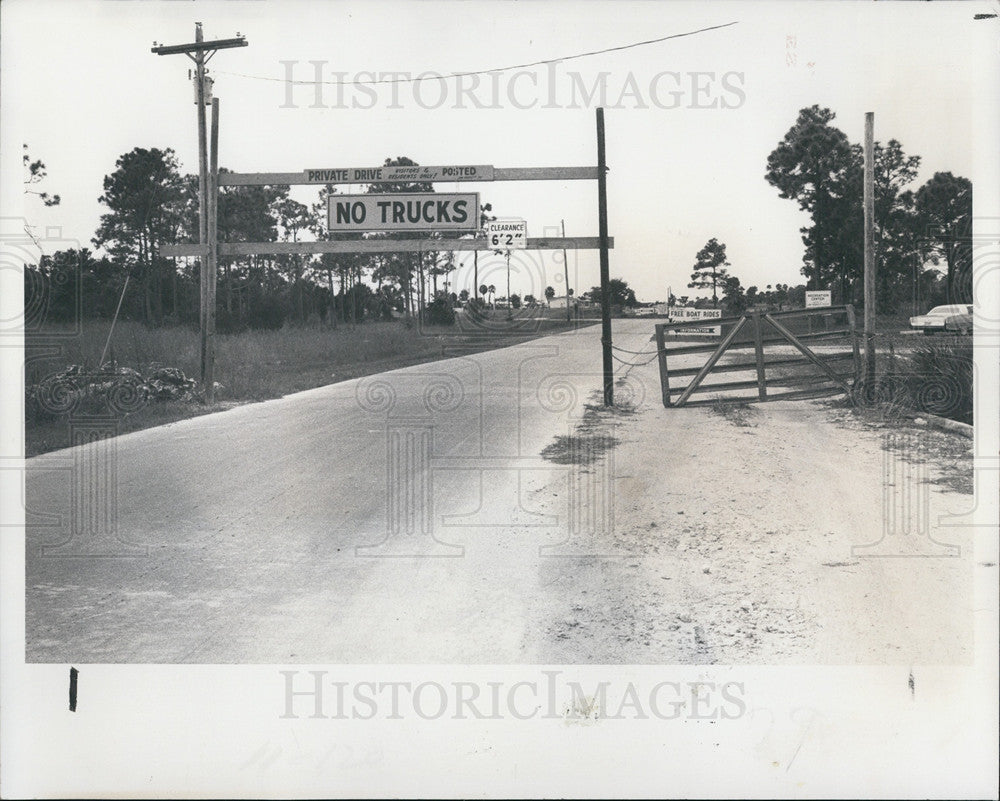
x=750, y=366
x=545, y=174
x=818, y=392
x=198, y=47
x=377, y=246
x=499, y=174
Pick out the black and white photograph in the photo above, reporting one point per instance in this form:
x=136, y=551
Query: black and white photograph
x=499, y=398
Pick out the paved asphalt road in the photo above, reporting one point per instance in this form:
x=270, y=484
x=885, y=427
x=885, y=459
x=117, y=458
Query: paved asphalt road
x=477, y=510
x=386, y=519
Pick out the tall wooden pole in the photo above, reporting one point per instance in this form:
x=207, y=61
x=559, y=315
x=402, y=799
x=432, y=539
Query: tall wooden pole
x=199, y=60
x=510, y=306
x=213, y=255
x=602, y=222
x=207, y=194
x=569, y=315
x=869, y=201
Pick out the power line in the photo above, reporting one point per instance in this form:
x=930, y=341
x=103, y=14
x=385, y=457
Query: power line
x=636, y=352
x=634, y=364
x=437, y=77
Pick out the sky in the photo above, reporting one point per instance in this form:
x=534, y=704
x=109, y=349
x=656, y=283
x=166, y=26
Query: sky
x=690, y=121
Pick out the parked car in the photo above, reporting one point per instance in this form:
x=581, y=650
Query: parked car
x=934, y=320
x=959, y=323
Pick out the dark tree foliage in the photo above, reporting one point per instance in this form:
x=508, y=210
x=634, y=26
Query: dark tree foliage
x=709, y=271
x=734, y=299
x=145, y=196
x=818, y=167
x=149, y=202
x=621, y=293
x=943, y=210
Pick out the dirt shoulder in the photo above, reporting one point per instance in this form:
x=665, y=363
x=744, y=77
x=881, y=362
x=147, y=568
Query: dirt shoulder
x=762, y=538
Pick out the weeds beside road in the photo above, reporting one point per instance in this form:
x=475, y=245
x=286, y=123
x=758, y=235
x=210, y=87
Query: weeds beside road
x=928, y=375
x=259, y=365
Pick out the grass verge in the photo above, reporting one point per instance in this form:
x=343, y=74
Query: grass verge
x=256, y=365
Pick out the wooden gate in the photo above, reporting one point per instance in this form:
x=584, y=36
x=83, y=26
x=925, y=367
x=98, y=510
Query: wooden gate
x=766, y=334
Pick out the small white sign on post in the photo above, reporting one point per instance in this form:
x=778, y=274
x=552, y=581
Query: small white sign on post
x=818, y=299
x=507, y=234
x=677, y=314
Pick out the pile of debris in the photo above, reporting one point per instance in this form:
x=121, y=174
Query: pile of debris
x=169, y=383
x=108, y=389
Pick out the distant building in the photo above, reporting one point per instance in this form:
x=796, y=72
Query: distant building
x=560, y=302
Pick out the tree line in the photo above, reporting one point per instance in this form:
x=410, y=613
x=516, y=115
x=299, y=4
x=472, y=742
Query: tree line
x=149, y=203
x=819, y=168
x=917, y=232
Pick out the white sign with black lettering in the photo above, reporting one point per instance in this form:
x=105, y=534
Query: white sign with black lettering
x=678, y=314
x=507, y=234
x=399, y=174
x=423, y=211
x=818, y=299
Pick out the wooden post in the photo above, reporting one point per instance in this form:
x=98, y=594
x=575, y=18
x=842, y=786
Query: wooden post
x=199, y=60
x=602, y=221
x=852, y=324
x=569, y=315
x=661, y=357
x=213, y=255
x=869, y=201
x=510, y=306
x=758, y=345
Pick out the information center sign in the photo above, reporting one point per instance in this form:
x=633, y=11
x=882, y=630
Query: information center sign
x=818, y=299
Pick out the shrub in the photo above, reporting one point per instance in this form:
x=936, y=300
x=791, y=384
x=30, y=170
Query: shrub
x=440, y=312
x=940, y=381
x=268, y=313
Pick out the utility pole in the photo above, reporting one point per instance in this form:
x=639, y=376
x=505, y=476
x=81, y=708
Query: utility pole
x=213, y=256
x=207, y=233
x=510, y=306
x=869, y=203
x=602, y=221
x=569, y=315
